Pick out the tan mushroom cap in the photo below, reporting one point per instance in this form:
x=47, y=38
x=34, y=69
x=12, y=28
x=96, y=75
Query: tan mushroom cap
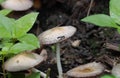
x=87, y=70
x=23, y=61
x=56, y=34
x=17, y=5
x=116, y=70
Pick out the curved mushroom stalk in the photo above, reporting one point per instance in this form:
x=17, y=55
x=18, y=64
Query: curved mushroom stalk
x=59, y=65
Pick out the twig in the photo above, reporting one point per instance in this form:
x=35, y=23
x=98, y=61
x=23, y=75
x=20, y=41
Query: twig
x=90, y=6
x=89, y=9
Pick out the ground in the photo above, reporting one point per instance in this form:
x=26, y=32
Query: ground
x=92, y=38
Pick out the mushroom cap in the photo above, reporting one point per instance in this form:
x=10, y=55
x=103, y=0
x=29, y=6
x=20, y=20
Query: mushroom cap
x=56, y=34
x=17, y=5
x=87, y=70
x=22, y=61
x=116, y=70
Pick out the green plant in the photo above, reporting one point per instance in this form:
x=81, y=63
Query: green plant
x=22, y=75
x=14, y=38
x=103, y=20
x=107, y=76
x=2, y=1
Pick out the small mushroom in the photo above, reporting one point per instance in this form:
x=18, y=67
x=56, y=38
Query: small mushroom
x=23, y=61
x=56, y=35
x=87, y=70
x=116, y=70
x=17, y=5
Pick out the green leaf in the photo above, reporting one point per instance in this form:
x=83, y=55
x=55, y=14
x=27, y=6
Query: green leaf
x=107, y=76
x=30, y=39
x=34, y=75
x=115, y=10
x=5, y=12
x=118, y=31
x=100, y=20
x=27, y=42
x=7, y=46
x=6, y=27
x=20, y=47
x=24, y=24
x=16, y=75
x=2, y=1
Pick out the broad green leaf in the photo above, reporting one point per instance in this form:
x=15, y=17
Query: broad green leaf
x=1, y=1
x=7, y=46
x=100, y=20
x=6, y=27
x=34, y=75
x=20, y=47
x=5, y=12
x=24, y=24
x=30, y=39
x=115, y=10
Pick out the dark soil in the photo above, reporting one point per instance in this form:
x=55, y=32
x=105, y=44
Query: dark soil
x=93, y=38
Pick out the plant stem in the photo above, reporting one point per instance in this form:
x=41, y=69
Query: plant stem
x=48, y=73
x=4, y=74
x=59, y=66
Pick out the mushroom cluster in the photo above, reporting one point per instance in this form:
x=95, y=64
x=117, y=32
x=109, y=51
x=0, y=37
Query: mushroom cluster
x=26, y=60
x=17, y=5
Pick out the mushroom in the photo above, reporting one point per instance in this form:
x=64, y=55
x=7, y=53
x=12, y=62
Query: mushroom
x=23, y=61
x=17, y=5
x=87, y=70
x=116, y=70
x=56, y=35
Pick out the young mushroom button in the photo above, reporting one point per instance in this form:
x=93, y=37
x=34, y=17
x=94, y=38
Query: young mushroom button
x=17, y=5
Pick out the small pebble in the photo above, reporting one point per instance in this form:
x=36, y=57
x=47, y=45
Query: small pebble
x=76, y=43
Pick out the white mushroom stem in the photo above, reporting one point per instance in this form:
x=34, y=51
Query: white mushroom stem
x=41, y=73
x=59, y=66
